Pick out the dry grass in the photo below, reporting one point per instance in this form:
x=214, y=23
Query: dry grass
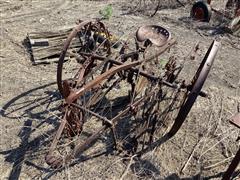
x=204, y=146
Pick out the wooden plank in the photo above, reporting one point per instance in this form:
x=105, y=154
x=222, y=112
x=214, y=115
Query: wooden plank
x=45, y=47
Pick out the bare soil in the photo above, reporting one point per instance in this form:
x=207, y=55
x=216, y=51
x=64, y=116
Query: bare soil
x=29, y=98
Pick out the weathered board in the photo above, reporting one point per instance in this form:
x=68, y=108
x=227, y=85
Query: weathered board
x=45, y=47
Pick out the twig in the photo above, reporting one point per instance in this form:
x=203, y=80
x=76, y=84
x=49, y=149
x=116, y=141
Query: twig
x=184, y=143
x=127, y=169
x=207, y=134
x=190, y=156
x=218, y=142
x=192, y=52
x=159, y=2
x=220, y=117
x=218, y=163
x=179, y=2
x=156, y=9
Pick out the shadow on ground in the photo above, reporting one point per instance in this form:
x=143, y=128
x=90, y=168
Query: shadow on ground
x=31, y=106
x=38, y=107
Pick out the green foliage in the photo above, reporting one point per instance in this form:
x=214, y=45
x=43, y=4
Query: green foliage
x=106, y=12
x=163, y=63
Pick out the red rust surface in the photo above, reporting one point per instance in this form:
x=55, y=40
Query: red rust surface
x=236, y=120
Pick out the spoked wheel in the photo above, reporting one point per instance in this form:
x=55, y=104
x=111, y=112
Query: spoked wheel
x=96, y=115
x=91, y=92
x=91, y=39
x=81, y=67
x=195, y=87
x=80, y=60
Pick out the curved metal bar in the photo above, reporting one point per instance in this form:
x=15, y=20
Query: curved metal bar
x=74, y=95
x=197, y=83
x=63, y=54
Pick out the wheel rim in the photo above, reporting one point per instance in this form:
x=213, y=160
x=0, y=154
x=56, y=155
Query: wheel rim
x=82, y=28
x=197, y=83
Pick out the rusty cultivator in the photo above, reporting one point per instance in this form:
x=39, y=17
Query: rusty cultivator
x=119, y=93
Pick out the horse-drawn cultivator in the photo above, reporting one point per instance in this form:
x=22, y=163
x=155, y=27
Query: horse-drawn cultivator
x=122, y=90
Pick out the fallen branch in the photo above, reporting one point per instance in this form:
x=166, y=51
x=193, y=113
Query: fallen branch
x=190, y=156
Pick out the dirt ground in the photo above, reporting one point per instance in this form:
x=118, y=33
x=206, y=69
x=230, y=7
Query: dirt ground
x=29, y=98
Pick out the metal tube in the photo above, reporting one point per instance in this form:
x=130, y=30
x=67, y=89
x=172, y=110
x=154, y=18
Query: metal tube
x=227, y=175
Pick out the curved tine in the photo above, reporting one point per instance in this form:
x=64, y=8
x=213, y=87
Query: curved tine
x=202, y=74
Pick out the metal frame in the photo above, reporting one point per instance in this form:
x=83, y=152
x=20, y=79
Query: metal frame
x=71, y=95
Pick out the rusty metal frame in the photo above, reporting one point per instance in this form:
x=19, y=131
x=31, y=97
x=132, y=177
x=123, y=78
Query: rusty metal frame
x=57, y=162
x=71, y=95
